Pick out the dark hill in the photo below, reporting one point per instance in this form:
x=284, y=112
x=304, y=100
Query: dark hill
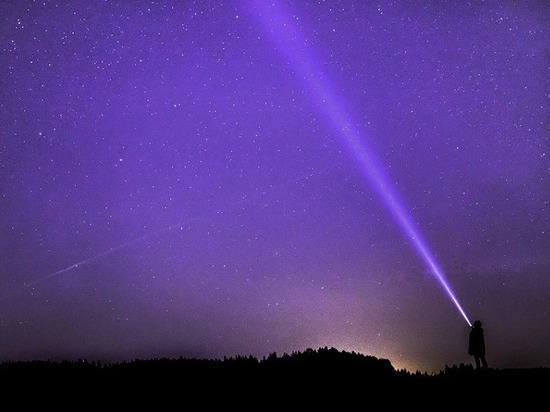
x=323, y=375
x=311, y=367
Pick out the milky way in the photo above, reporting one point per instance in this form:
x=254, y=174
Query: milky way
x=169, y=186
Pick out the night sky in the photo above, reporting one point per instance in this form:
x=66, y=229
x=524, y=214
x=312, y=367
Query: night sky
x=175, y=181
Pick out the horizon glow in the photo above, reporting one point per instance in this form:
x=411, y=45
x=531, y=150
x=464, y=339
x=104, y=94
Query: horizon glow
x=292, y=45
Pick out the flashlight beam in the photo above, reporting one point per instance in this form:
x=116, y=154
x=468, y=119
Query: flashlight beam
x=289, y=41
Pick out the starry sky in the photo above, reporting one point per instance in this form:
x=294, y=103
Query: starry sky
x=172, y=182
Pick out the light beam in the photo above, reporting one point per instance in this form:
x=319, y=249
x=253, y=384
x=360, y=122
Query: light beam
x=289, y=41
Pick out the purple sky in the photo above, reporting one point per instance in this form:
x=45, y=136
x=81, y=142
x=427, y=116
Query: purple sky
x=173, y=183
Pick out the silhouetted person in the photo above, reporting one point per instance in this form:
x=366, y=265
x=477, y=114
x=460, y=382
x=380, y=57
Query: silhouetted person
x=476, y=346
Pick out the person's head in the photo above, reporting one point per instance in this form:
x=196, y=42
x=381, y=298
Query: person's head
x=477, y=324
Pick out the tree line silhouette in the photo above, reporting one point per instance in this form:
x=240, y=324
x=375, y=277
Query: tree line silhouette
x=326, y=371
x=322, y=364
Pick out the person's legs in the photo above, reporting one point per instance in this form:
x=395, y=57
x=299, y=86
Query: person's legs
x=484, y=362
x=477, y=361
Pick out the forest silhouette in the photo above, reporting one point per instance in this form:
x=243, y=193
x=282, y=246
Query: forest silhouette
x=325, y=373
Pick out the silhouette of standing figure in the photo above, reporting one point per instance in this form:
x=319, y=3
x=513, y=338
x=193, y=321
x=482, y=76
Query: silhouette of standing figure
x=476, y=346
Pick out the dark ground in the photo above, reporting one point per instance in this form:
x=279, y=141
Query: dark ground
x=315, y=378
